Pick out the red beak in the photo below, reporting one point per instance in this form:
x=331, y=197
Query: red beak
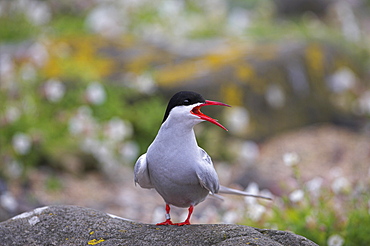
x=196, y=111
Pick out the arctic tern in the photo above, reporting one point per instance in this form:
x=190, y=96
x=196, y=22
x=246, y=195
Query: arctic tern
x=174, y=165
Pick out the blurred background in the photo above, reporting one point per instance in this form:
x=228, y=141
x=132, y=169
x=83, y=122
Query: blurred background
x=84, y=85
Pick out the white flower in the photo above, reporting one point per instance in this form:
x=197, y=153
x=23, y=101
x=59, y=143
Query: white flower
x=106, y=20
x=340, y=184
x=145, y=83
x=38, y=12
x=76, y=125
x=314, y=185
x=291, y=159
x=256, y=211
x=157, y=214
x=237, y=119
x=82, y=122
x=364, y=103
x=12, y=114
x=249, y=151
x=14, y=169
x=348, y=21
x=90, y=145
x=296, y=196
x=171, y=9
x=335, y=172
x=129, y=151
x=8, y=201
x=335, y=240
x=54, y=90
x=117, y=129
x=21, y=143
x=38, y=54
x=238, y=20
x=230, y=217
x=252, y=189
x=95, y=93
x=342, y=80
x=6, y=67
x=275, y=96
x=267, y=193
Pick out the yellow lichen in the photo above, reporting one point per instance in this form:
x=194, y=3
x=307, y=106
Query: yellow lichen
x=225, y=56
x=95, y=241
x=92, y=232
x=245, y=72
x=266, y=52
x=315, y=60
x=232, y=94
x=76, y=57
x=140, y=63
x=175, y=74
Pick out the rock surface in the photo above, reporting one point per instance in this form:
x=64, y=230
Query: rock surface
x=72, y=225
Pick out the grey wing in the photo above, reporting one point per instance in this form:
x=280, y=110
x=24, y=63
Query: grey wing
x=207, y=174
x=141, y=173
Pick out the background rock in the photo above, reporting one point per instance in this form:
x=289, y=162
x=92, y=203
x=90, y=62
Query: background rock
x=323, y=152
x=72, y=225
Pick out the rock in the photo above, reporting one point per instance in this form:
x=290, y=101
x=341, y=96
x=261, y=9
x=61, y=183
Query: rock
x=299, y=7
x=72, y=225
x=271, y=87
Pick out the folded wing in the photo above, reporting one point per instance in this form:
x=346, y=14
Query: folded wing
x=141, y=173
x=207, y=174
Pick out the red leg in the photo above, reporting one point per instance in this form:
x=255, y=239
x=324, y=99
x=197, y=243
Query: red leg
x=168, y=217
x=187, y=221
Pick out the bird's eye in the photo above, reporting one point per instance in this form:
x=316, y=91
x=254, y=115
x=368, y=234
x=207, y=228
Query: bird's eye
x=186, y=101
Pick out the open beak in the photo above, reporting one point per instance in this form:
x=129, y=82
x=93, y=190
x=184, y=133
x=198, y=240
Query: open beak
x=196, y=111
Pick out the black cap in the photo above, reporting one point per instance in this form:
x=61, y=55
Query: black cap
x=183, y=98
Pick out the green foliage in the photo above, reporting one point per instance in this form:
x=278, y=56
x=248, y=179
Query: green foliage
x=47, y=124
x=16, y=28
x=53, y=183
x=358, y=227
x=66, y=25
x=146, y=116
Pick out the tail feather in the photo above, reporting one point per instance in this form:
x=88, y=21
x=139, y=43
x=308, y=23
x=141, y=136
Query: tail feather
x=227, y=190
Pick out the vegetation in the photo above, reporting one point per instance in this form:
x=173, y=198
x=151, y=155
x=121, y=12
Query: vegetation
x=327, y=215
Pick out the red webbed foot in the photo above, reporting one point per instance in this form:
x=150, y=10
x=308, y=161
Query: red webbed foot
x=168, y=218
x=167, y=222
x=186, y=222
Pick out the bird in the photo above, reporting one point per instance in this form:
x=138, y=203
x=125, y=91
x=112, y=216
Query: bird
x=174, y=165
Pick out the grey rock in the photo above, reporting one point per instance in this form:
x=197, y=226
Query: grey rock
x=72, y=225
